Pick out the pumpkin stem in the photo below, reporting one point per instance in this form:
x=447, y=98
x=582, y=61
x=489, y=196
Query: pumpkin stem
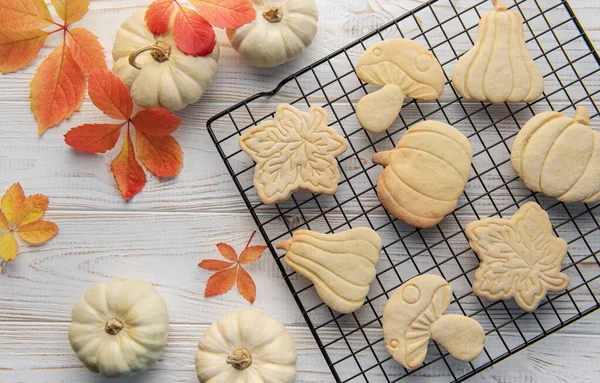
x=113, y=326
x=499, y=5
x=240, y=359
x=273, y=14
x=160, y=52
x=582, y=115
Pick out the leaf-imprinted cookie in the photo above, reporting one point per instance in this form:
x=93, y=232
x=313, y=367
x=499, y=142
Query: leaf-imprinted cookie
x=519, y=257
x=340, y=265
x=295, y=150
x=559, y=156
x=425, y=174
x=414, y=314
x=499, y=67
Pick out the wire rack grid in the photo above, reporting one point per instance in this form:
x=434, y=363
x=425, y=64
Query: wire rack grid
x=352, y=344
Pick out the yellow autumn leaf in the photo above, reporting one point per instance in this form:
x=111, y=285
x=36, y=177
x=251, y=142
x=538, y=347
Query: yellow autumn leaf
x=8, y=247
x=11, y=201
x=37, y=232
x=3, y=223
x=32, y=209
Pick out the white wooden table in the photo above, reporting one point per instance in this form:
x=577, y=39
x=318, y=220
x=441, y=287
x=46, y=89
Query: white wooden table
x=173, y=224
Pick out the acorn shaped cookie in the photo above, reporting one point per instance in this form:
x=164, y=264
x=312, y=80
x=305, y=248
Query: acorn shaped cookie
x=425, y=174
x=499, y=67
x=559, y=156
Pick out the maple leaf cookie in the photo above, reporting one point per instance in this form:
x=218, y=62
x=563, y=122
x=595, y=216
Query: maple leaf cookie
x=519, y=257
x=295, y=150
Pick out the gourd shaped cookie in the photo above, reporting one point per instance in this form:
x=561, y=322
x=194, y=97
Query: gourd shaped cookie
x=498, y=68
x=404, y=68
x=559, y=156
x=295, y=150
x=340, y=265
x=519, y=257
x=414, y=314
x=425, y=174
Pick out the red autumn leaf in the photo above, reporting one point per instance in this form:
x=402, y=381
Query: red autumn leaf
x=220, y=282
x=128, y=173
x=18, y=49
x=227, y=252
x=229, y=14
x=57, y=89
x=24, y=15
x=71, y=10
x=215, y=264
x=156, y=122
x=193, y=35
x=246, y=285
x=110, y=95
x=94, y=138
x=158, y=16
x=161, y=155
x=251, y=254
x=86, y=50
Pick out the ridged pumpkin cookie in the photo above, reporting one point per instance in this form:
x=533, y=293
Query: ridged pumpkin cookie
x=425, y=174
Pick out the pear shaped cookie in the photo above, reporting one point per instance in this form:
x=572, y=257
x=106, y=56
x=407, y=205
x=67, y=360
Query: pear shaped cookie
x=499, y=67
x=414, y=314
x=340, y=265
x=404, y=68
x=425, y=174
x=559, y=156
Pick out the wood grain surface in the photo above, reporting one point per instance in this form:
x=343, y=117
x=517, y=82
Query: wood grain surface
x=164, y=232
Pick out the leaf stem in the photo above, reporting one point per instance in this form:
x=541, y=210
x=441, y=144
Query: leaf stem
x=250, y=240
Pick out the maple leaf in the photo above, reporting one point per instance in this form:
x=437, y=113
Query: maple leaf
x=58, y=87
x=229, y=14
x=22, y=216
x=158, y=151
x=520, y=257
x=231, y=272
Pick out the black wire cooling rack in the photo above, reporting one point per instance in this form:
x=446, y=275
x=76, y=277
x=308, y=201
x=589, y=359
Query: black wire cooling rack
x=352, y=344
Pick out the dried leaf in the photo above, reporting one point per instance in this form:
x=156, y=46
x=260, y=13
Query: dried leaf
x=229, y=14
x=86, y=50
x=71, y=10
x=158, y=16
x=251, y=254
x=24, y=15
x=215, y=264
x=11, y=201
x=193, y=35
x=19, y=48
x=110, y=95
x=227, y=252
x=220, y=282
x=128, y=173
x=161, y=155
x=3, y=223
x=246, y=285
x=8, y=247
x=94, y=138
x=57, y=89
x=32, y=209
x=37, y=232
x=156, y=122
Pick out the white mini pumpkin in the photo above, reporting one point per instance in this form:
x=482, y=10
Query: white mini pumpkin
x=119, y=327
x=280, y=33
x=155, y=71
x=244, y=347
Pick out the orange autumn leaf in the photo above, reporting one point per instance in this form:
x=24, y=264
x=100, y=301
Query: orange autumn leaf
x=229, y=14
x=223, y=280
x=110, y=95
x=158, y=16
x=19, y=48
x=71, y=10
x=94, y=138
x=22, y=216
x=86, y=50
x=57, y=89
x=156, y=122
x=193, y=35
x=24, y=15
x=161, y=155
x=128, y=173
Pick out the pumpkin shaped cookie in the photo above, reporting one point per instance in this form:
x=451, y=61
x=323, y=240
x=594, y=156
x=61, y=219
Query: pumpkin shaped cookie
x=559, y=156
x=498, y=68
x=404, y=68
x=425, y=174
